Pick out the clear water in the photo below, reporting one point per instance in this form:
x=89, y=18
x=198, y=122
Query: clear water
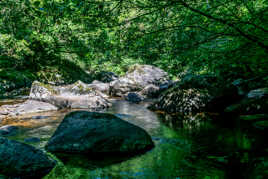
x=185, y=147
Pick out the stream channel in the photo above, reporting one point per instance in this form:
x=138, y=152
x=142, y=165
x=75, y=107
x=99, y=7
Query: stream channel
x=185, y=147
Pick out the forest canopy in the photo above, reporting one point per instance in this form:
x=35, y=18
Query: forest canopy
x=228, y=38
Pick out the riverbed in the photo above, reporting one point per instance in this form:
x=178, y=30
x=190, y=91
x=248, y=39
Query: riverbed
x=185, y=146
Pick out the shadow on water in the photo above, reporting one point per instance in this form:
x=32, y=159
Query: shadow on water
x=188, y=147
x=238, y=149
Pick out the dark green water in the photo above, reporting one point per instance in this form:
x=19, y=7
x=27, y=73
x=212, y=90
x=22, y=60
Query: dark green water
x=192, y=147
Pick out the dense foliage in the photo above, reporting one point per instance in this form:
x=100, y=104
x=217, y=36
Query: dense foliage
x=226, y=37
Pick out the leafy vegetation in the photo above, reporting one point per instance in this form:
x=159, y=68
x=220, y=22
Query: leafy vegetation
x=78, y=38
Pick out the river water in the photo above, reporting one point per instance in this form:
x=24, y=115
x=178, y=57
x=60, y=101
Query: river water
x=185, y=147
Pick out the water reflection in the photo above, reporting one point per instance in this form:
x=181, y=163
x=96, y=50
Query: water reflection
x=185, y=147
x=142, y=117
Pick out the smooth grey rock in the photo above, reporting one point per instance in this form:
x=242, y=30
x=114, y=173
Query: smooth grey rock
x=122, y=86
x=18, y=160
x=144, y=75
x=137, y=78
x=78, y=96
x=29, y=106
x=83, y=132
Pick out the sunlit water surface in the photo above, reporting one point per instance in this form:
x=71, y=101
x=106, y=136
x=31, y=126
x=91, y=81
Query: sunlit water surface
x=185, y=147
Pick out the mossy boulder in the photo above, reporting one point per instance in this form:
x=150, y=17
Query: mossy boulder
x=183, y=101
x=18, y=160
x=91, y=133
x=196, y=93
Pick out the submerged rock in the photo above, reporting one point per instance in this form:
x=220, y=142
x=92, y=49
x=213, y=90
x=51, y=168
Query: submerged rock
x=78, y=95
x=84, y=132
x=18, y=160
x=137, y=78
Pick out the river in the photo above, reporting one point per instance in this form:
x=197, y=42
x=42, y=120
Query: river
x=185, y=147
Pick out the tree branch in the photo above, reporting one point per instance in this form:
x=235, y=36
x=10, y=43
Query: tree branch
x=223, y=21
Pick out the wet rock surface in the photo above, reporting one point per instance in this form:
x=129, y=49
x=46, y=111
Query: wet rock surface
x=99, y=133
x=18, y=160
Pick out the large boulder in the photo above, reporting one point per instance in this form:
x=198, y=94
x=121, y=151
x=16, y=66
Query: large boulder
x=183, y=101
x=137, y=78
x=144, y=75
x=187, y=96
x=18, y=160
x=197, y=93
x=84, y=132
x=122, y=86
x=78, y=96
